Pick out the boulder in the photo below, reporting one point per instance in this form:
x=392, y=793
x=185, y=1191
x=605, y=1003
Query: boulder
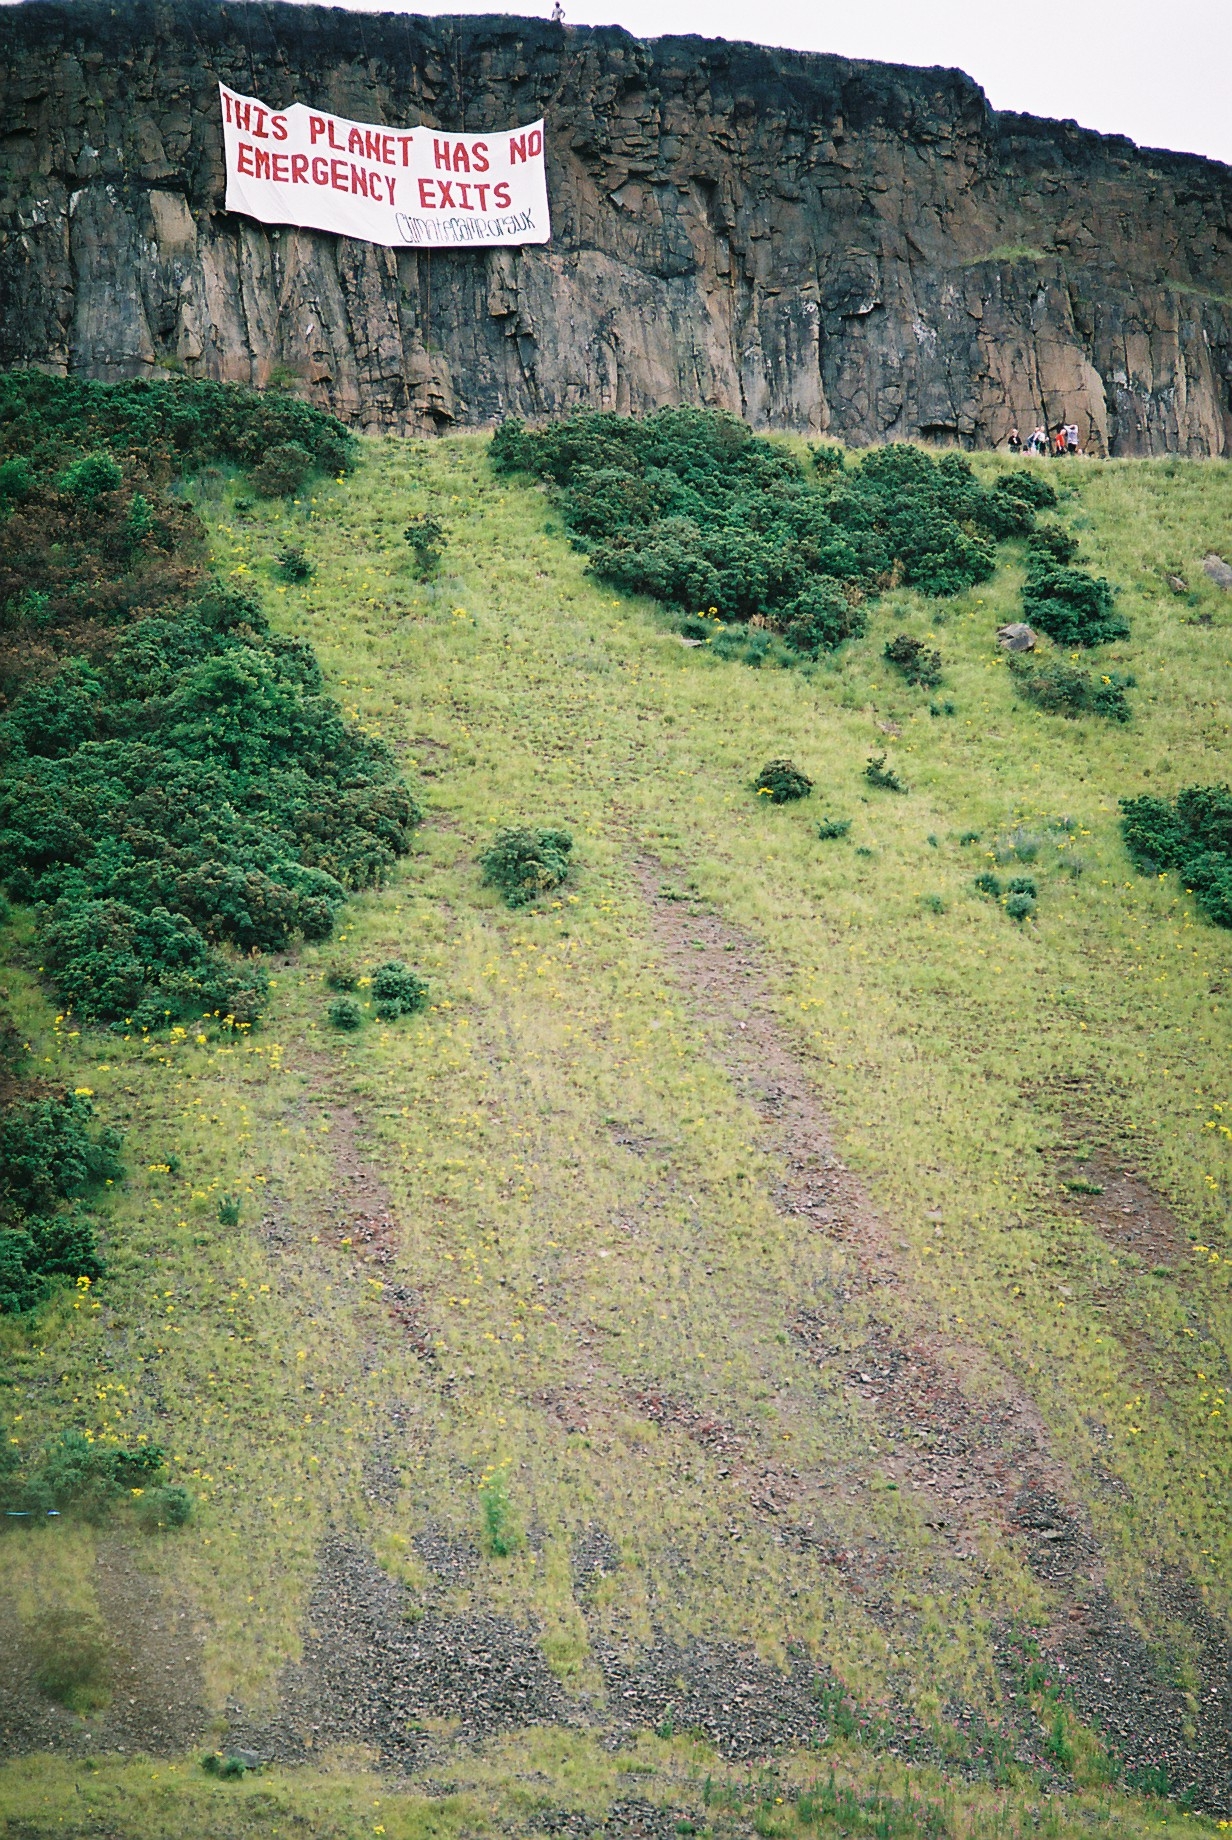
x=1218, y=570
x=1016, y=637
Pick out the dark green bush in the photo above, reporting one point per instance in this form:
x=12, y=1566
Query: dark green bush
x=397, y=991
x=1022, y=884
x=821, y=618
x=1072, y=607
x=989, y=884
x=283, y=470
x=195, y=790
x=166, y=1507
x=75, y=1474
x=169, y=421
x=1019, y=907
x=16, y=479
x=781, y=781
x=1031, y=488
x=1067, y=690
x=346, y=1014
x=189, y=792
x=522, y=862
x=342, y=977
x=230, y=1208
x=1050, y=543
x=918, y=664
x=293, y=564
x=47, y=1152
x=92, y=474
x=833, y=827
x=426, y=536
x=885, y=778
x=688, y=506
x=35, y=1252
x=1191, y=835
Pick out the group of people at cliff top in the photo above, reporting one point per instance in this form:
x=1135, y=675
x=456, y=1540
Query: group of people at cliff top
x=1063, y=440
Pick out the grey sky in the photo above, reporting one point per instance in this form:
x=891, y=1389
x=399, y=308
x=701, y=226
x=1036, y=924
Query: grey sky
x=1157, y=70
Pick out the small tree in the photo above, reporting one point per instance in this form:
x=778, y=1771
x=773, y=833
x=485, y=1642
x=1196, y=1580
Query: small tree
x=426, y=536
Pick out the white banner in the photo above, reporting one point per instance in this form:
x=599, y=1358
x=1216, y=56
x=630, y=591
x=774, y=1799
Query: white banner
x=418, y=188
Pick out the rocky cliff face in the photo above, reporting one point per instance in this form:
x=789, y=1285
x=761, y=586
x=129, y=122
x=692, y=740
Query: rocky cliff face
x=817, y=244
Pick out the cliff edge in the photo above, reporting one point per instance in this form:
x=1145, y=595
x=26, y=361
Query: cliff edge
x=816, y=243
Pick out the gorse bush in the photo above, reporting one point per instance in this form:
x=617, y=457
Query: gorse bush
x=346, y=1014
x=688, y=506
x=1072, y=607
x=283, y=470
x=170, y=422
x=397, y=991
x=92, y=474
x=49, y=1157
x=522, y=862
x=1191, y=834
x=917, y=662
x=196, y=789
x=781, y=781
x=77, y=1475
x=1067, y=690
x=293, y=564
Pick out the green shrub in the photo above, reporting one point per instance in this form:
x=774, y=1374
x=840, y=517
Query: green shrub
x=500, y=1533
x=194, y=789
x=230, y=1769
x=293, y=564
x=283, y=470
x=913, y=658
x=989, y=884
x=1031, y=488
x=342, y=977
x=781, y=781
x=166, y=422
x=1019, y=907
x=1022, y=884
x=35, y=1251
x=522, y=862
x=229, y=1210
x=1065, y=689
x=821, y=618
x=92, y=475
x=346, y=1014
x=688, y=506
x=833, y=827
x=164, y=1508
x=1191, y=835
x=1051, y=543
x=397, y=991
x=47, y=1153
x=78, y=1475
x=1072, y=607
x=426, y=536
x=878, y=774
x=16, y=479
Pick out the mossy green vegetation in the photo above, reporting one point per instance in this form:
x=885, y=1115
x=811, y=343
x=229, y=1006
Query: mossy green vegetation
x=584, y=1208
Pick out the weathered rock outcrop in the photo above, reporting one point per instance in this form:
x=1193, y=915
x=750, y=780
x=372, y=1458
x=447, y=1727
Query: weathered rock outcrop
x=812, y=242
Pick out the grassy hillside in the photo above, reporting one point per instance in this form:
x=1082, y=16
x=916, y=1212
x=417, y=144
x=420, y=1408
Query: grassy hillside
x=765, y=1323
